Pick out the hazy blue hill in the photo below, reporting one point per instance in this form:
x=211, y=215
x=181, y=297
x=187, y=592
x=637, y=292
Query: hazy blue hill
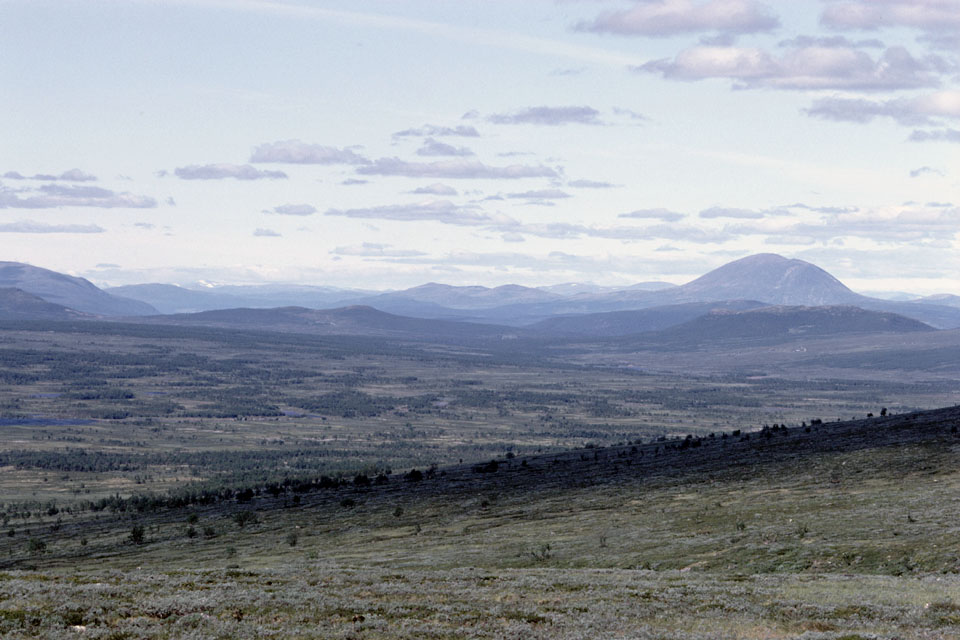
x=69, y=291
x=618, y=323
x=357, y=320
x=945, y=299
x=789, y=322
x=16, y=304
x=466, y=297
x=169, y=298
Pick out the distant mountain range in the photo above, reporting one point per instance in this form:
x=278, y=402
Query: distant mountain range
x=764, y=294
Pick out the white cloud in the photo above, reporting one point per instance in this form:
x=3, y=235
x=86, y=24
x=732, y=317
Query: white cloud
x=551, y=116
x=655, y=214
x=29, y=226
x=426, y=130
x=374, y=250
x=802, y=68
x=453, y=169
x=925, y=170
x=930, y=15
x=298, y=152
x=921, y=110
x=51, y=196
x=71, y=175
x=438, y=210
x=433, y=147
x=912, y=224
x=266, y=233
x=590, y=184
x=436, y=189
x=294, y=210
x=729, y=212
x=660, y=18
x=937, y=135
x=225, y=170
x=540, y=194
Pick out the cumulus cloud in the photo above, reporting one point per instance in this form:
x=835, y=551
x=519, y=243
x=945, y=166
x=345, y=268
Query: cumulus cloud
x=921, y=110
x=266, y=233
x=929, y=15
x=654, y=214
x=433, y=147
x=294, y=210
x=551, y=116
x=936, y=135
x=464, y=131
x=28, y=226
x=298, y=152
x=349, y=182
x=661, y=18
x=453, y=169
x=374, y=250
x=51, y=196
x=436, y=189
x=437, y=210
x=801, y=68
x=71, y=175
x=224, y=170
x=590, y=184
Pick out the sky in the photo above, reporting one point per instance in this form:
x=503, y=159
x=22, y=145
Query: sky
x=385, y=144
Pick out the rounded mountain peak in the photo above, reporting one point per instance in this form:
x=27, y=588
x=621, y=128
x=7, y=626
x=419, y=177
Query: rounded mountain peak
x=771, y=278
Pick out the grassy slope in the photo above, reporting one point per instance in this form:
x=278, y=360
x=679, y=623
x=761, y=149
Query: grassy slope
x=847, y=531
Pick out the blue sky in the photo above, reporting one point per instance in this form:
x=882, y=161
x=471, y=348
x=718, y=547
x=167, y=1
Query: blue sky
x=386, y=144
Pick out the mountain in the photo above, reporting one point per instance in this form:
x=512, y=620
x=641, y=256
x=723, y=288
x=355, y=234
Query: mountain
x=945, y=299
x=620, y=323
x=766, y=278
x=772, y=279
x=16, y=304
x=69, y=291
x=169, y=298
x=788, y=322
x=568, y=289
x=475, y=297
x=353, y=320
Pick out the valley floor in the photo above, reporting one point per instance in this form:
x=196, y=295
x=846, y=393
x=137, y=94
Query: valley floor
x=322, y=600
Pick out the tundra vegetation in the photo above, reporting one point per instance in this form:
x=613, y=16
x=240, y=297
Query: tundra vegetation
x=162, y=482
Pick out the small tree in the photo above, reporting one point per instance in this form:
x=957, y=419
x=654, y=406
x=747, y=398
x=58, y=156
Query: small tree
x=137, y=534
x=243, y=518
